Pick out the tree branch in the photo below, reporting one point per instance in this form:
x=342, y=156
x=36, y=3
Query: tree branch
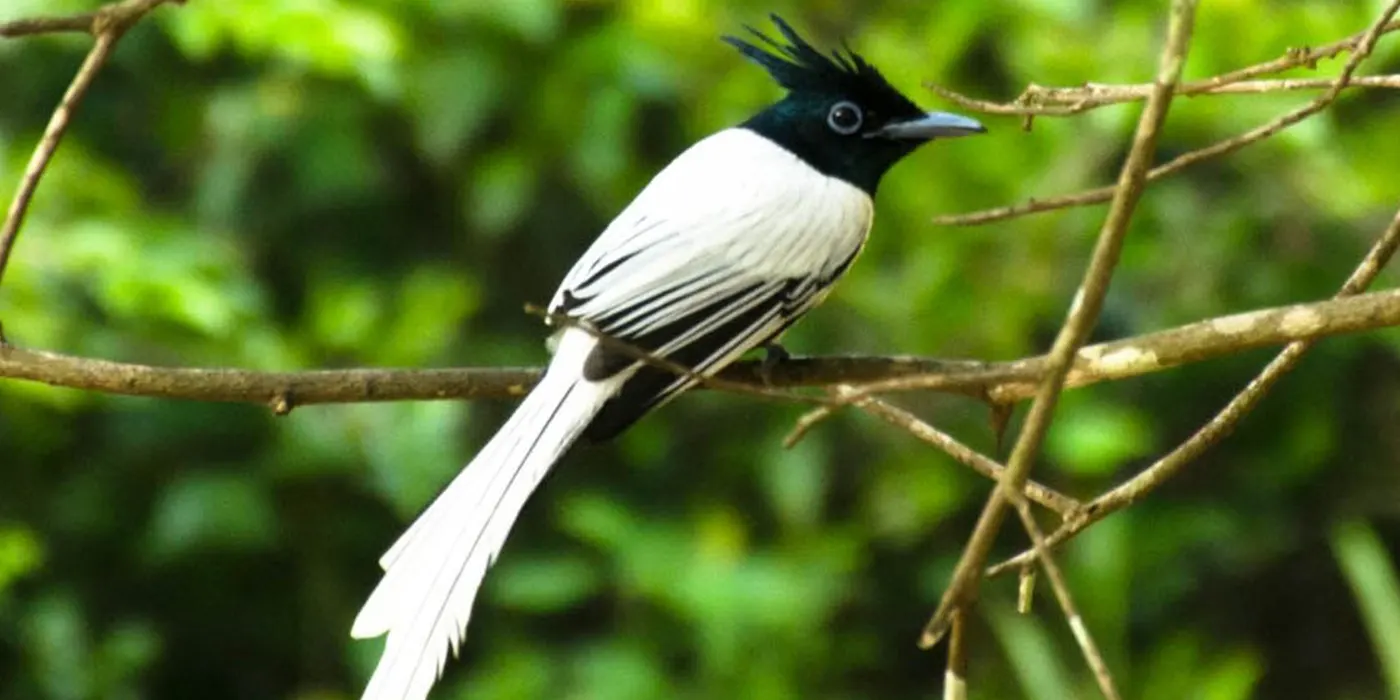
x=1193, y=342
x=1083, y=314
x=1225, y=147
x=1060, y=587
x=1224, y=422
x=1067, y=101
x=1039, y=100
x=1001, y=381
x=48, y=25
x=955, y=677
x=108, y=24
x=1063, y=505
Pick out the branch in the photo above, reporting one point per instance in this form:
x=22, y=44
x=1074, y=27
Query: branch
x=1161, y=350
x=1102, y=94
x=955, y=677
x=1007, y=382
x=1001, y=381
x=108, y=24
x=1221, y=148
x=1224, y=422
x=1063, y=505
x=48, y=25
x=1083, y=314
x=1039, y=100
x=244, y=386
x=1090, y=650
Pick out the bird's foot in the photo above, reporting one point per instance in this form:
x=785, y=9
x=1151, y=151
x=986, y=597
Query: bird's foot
x=773, y=356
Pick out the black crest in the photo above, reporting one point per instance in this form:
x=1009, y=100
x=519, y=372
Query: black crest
x=799, y=67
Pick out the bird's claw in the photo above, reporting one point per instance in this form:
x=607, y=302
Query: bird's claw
x=773, y=356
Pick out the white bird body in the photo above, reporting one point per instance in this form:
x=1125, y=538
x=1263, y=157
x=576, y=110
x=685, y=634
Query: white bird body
x=724, y=248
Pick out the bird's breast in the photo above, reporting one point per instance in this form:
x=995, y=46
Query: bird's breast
x=810, y=224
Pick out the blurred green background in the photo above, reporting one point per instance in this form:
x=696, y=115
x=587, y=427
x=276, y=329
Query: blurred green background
x=289, y=184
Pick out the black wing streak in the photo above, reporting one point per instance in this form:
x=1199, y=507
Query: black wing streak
x=652, y=385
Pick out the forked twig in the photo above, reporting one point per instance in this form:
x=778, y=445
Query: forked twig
x=1040, y=100
x=1065, y=506
x=1219, y=426
x=1083, y=314
x=1102, y=194
x=107, y=25
x=1087, y=647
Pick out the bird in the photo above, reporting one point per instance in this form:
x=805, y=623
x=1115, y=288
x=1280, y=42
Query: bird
x=728, y=245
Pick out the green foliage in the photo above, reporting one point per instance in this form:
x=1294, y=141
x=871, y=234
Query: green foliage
x=286, y=185
x=1369, y=571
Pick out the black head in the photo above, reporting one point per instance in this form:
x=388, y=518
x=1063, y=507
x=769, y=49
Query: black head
x=840, y=115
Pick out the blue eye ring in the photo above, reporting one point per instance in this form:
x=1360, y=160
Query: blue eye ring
x=845, y=118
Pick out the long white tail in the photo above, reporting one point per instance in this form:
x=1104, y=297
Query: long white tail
x=434, y=570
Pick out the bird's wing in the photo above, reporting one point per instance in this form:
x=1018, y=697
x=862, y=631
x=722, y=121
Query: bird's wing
x=723, y=250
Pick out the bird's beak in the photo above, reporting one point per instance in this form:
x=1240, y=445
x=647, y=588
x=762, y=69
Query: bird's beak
x=930, y=126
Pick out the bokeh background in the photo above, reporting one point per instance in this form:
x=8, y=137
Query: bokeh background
x=289, y=184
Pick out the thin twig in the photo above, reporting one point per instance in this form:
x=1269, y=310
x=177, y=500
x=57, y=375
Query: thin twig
x=1309, y=57
x=1065, y=506
x=1039, y=100
x=48, y=144
x=955, y=678
x=1083, y=314
x=1082, y=636
x=1219, y=426
x=1025, y=590
x=48, y=25
x=108, y=25
x=1102, y=94
x=1004, y=383
x=1221, y=148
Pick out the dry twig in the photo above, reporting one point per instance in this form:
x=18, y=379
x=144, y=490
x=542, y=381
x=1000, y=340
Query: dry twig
x=48, y=25
x=1065, y=506
x=1083, y=314
x=108, y=24
x=1067, y=101
x=1221, y=425
x=955, y=678
x=1087, y=647
x=1039, y=100
x=1360, y=46
x=1002, y=381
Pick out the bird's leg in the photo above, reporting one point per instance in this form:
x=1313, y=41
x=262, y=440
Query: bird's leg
x=774, y=354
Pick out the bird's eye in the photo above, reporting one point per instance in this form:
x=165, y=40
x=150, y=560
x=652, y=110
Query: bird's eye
x=844, y=118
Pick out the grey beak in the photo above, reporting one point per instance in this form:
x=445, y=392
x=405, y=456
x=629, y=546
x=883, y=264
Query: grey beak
x=931, y=125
